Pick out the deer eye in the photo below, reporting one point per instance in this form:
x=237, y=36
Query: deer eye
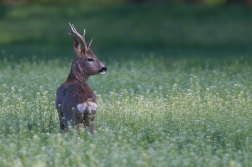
x=90, y=59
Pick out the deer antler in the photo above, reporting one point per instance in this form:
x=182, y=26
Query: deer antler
x=74, y=31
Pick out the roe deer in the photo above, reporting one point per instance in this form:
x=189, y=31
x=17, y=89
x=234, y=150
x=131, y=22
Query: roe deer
x=75, y=101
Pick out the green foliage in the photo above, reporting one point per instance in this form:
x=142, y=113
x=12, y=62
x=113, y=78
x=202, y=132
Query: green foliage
x=57, y=2
x=151, y=112
x=215, y=2
x=132, y=30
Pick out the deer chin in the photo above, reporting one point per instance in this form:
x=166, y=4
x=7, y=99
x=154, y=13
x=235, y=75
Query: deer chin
x=102, y=72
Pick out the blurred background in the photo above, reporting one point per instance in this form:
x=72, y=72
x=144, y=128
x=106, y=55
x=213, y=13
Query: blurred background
x=127, y=28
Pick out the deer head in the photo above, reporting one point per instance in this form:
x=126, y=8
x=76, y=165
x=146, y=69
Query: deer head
x=85, y=63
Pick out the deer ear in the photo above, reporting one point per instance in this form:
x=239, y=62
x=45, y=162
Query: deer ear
x=76, y=45
x=89, y=43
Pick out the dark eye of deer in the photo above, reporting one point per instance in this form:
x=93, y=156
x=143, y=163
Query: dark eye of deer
x=90, y=59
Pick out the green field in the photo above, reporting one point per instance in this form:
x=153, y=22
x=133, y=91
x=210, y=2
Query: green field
x=177, y=91
x=181, y=115
x=127, y=30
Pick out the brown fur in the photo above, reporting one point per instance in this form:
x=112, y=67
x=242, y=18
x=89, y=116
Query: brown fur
x=75, y=90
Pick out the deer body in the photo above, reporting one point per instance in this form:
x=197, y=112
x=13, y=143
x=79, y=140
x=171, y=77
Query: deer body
x=75, y=101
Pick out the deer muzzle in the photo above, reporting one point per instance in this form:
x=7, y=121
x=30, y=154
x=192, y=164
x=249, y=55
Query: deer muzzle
x=103, y=70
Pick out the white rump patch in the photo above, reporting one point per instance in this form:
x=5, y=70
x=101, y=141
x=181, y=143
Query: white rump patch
x=86, y=106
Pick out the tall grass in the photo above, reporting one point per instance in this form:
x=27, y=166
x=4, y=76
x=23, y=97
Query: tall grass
x=151, y=112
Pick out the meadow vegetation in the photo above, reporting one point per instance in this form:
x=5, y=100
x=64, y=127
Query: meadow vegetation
x=124, y=30
x=182, y=114
x=176, y=96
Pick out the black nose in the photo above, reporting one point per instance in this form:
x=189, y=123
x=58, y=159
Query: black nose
x=103, y=69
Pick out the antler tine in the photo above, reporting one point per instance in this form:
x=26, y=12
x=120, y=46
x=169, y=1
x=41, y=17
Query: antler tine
x=74, y=31
x=84, y=33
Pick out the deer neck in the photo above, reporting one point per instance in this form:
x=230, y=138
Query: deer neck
x=77, y=74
